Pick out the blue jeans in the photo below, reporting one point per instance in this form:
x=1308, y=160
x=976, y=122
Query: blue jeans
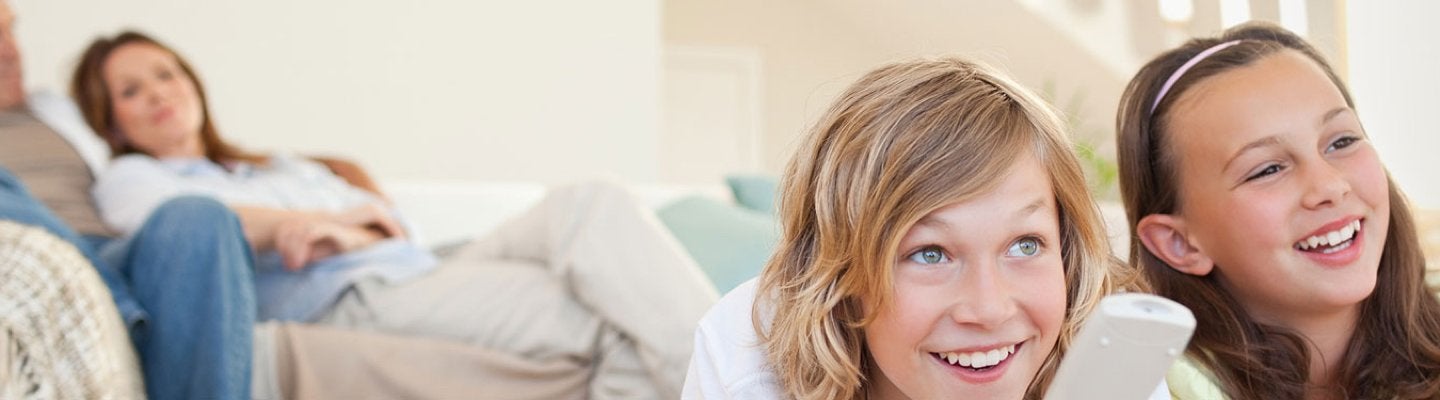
x=184, y=284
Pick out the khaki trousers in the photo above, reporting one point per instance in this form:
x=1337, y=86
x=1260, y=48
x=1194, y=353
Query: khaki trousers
x=306, y=361
x=585, y=295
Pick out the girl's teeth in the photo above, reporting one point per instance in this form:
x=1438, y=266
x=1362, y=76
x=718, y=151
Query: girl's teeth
x=1332, y=238
x=1342, y=246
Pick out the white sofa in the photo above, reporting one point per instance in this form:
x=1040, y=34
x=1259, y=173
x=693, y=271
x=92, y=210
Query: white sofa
x=449, y=212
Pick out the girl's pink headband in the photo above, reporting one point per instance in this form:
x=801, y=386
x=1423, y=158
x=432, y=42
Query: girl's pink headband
x=1175, y=76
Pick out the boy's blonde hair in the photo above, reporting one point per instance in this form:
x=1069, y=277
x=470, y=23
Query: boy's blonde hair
x=903, y=141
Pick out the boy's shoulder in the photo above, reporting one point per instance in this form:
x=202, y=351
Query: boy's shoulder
x=729, y=362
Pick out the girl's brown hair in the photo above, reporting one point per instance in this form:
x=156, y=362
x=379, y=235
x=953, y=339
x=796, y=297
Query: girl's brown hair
x=903, y=141
x=93, y=97
x=1395, y=350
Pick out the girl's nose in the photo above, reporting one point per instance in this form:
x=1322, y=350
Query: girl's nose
x=1325, y=185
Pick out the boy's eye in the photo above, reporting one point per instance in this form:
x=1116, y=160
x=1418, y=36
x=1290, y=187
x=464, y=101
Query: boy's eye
x=929, y=255
x=1024, y=248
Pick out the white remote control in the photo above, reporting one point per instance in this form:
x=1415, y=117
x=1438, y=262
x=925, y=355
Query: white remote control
x=1124, y=349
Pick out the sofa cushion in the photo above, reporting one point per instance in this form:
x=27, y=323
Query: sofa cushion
x=730, y=243
x=52, y=170
x=754, y=191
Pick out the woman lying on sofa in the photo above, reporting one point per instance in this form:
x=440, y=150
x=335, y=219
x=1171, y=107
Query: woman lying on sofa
x=586, y=277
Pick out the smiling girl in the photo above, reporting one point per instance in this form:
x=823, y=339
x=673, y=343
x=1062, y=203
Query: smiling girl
x=1261, y=205
x=938, y=242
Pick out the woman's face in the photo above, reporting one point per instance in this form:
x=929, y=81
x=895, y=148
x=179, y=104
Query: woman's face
x=1281, y=189
x=978, y=298
x=156, y=107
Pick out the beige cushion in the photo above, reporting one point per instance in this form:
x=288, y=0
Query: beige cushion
x=51, y=169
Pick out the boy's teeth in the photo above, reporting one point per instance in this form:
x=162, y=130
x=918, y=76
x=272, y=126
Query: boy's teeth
x=978, y=359
x=1331, y=238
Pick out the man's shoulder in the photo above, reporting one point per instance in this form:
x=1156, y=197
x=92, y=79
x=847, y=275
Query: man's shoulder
x=60, y=115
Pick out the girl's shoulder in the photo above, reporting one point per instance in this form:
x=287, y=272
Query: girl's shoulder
x=1188, y=380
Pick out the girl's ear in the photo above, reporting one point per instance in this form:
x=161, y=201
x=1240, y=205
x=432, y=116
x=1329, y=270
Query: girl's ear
x=1166, y=237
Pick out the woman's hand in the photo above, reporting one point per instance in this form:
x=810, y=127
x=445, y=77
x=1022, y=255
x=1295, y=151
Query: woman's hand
x=374, y=217
x=303, y=241
x=302, y=237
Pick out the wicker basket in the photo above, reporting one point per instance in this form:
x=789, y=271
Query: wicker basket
x=60, y=335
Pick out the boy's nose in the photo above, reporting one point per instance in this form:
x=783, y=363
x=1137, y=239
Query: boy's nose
x=985, y=298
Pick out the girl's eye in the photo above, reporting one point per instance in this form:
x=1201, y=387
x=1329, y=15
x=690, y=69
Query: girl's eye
x=1025, y=247
x=128, y=92
x=1269, y=170
x=929, y=255
x=1342, y=142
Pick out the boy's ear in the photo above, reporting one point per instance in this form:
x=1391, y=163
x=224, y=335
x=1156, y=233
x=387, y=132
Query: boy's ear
x=1166, y=237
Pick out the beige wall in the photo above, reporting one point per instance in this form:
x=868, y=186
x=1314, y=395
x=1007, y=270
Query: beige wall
x=810, y=50
x=558, y=90
x=549, y=90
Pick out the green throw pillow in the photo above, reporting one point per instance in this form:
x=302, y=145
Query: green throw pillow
x=730, y=243
x=754, y=192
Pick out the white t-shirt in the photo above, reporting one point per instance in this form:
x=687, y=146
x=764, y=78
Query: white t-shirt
x=728, y=362
x=135, y=185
